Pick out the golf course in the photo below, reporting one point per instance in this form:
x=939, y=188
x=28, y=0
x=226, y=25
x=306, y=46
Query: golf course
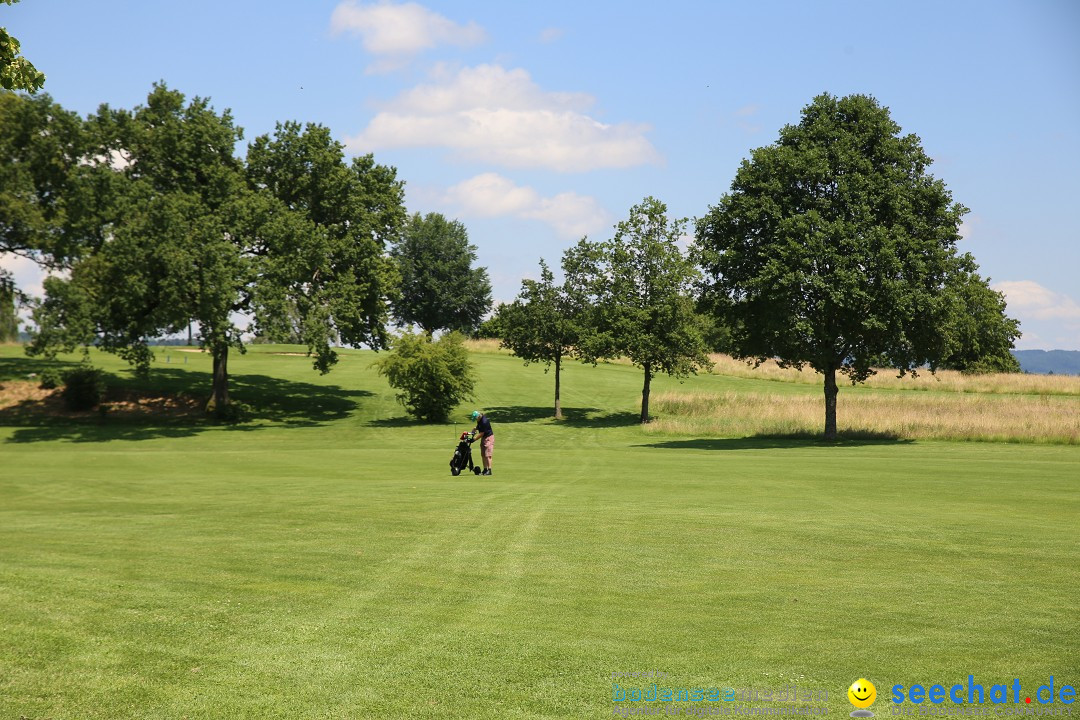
x=317, y=560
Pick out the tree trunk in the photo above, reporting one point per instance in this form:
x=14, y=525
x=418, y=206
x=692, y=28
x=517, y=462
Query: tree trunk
x=9, y=318
x=558, y=402
x=830, y=402
x=221, y=377
x=645, y=393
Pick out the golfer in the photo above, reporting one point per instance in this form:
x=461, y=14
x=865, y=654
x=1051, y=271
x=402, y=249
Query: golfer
x=487, y=439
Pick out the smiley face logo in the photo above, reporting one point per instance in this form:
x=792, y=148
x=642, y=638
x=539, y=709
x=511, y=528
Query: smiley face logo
x=862, y=693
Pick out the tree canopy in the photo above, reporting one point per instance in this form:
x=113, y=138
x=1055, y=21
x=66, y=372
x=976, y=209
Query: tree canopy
x=16, y=72
x=332, y=272
x=161, y=224
x=979, y=335
x=835, y=248
x=46, y=151
x=440, y=289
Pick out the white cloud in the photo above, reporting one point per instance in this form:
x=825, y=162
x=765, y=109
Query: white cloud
x=1031, y=299
x=969, y=226
x=28, y=276
x=743, y=117
x=571, y=215
x=1048, y=319
x=485, y=87
x=396, y=32
x=551, y=34
x=492, y=195
x=493, y=115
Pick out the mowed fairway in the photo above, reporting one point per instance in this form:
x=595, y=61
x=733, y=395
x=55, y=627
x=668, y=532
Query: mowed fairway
x=324, y=563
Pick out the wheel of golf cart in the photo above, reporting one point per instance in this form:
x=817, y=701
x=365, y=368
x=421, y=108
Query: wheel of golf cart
x=454, y=471
x=476, y=471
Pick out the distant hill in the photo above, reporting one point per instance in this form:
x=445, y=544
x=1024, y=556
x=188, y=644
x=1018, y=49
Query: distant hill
x=24, y=337
x=1043, y=362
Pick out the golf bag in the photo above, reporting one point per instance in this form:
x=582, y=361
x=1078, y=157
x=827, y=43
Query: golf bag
x=463, y=456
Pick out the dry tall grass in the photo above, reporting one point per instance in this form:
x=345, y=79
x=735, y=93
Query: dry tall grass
x=1011, y=418
x=943, y=380
x=485, y=346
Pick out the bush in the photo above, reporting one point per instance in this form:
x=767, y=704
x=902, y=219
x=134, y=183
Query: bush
x=50, y=378
x=1001, y=363
x=84, y=387
x=493, y=328
x=432, y=377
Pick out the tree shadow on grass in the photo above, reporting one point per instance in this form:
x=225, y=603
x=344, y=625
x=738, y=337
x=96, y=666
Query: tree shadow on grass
x=287, y=402
x=295, y=403
x=587, y=417
x=795, y=441
x=404, y=422
x=24, y=368
x=510, y=414
x=526, y=413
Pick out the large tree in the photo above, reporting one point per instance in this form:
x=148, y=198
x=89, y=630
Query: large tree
x=191, y=234
x=543, y=325
x=835, y=248
x=642, y=309
x=163, y=253
x=440, y=288
x=333, y=277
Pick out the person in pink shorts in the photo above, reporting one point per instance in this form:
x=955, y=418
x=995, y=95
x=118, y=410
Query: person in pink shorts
x=486, y=436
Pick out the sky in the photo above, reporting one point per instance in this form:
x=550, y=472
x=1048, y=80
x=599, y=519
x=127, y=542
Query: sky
x=538, y=123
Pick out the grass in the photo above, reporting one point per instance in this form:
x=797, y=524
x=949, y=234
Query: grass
x=320, y=562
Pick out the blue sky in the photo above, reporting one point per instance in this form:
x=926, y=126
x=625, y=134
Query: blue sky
x=537, y=123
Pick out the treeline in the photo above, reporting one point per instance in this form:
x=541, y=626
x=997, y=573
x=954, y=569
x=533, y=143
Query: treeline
x=156, y=223
x=834, y=248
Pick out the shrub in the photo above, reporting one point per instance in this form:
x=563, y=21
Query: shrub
x=989, y=364
x=50, y=378
x=432, y=378
x=494, y=328
x=84, y=387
